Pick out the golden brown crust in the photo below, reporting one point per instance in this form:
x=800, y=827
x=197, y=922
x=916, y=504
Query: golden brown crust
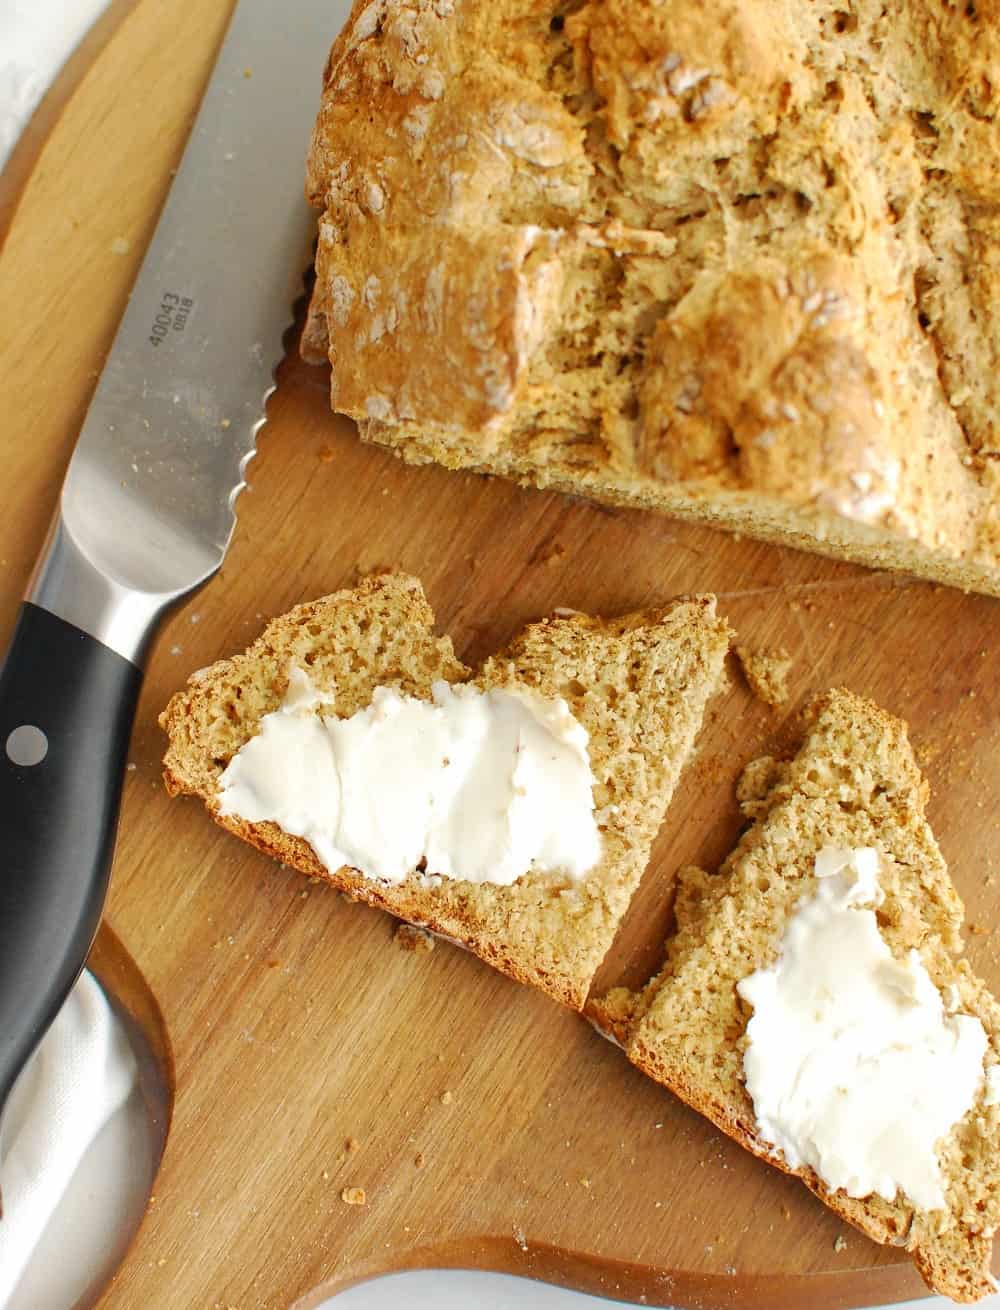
x=613, y=1014
x=854, y=781
x=638, y=684
x=735, y=262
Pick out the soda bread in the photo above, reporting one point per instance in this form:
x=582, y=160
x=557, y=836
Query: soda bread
x=736, y=262
x=853, y=783
x=638, y=685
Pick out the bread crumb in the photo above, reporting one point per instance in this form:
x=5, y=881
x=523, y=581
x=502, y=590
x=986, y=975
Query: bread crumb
x=121, y=246
x=419, y=1159
x=446, y=1098
x=585, y=1182
x=351, y=1145
x=354, y=1196
x=926, y=752
x=325, y=1175
x=326, y=455
x=417, y=940
x=766, y=672
x=551, y=553
x=840, y=1244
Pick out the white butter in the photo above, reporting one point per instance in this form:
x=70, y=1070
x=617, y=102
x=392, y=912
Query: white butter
x=853, y=1064
x=482, y=786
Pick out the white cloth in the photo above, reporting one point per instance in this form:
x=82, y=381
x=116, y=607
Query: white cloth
x=36, y=38
x=82, y=1072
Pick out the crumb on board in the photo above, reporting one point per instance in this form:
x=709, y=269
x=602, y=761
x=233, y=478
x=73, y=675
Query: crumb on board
x=550, y=553
x=446, y=1098
x=840, y=1244
x=766, y=672
x=419, y=1160
x=417, y=940
x=354, y=1196
x=351, y=1145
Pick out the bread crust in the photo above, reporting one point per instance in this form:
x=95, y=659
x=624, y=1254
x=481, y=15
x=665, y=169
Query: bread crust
x=737, y=262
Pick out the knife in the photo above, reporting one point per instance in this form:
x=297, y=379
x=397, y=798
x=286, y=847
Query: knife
x=146, y=511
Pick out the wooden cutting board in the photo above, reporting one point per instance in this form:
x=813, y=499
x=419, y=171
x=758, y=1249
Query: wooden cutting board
x=298, y=1048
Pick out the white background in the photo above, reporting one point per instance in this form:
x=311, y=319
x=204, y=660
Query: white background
x=35, y=38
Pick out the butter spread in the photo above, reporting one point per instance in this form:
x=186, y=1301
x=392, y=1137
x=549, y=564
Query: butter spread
x=853, y=1064
x=482, y=786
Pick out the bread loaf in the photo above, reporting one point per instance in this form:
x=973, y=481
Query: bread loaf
x=638, y=685
x=737, y=262
x=853, y=783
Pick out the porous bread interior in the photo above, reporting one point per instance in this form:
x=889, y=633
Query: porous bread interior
x=380, y=633
x=735, y=262
x=854, y=782
x=638, y=684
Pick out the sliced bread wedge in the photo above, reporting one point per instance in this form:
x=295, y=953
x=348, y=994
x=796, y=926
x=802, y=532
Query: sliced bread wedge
x=853, y=783
x=639, y=685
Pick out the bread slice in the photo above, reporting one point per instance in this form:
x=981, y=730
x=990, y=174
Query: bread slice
x=638, y=684
x=737, y=262
x=854, y=782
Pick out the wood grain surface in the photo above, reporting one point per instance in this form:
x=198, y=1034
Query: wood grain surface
x=305, y=1052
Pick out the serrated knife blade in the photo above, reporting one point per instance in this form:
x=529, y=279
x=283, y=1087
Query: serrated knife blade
x=147, y=507
x=148, y=499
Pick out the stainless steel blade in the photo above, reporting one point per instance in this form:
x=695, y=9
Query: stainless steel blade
x=148, y=504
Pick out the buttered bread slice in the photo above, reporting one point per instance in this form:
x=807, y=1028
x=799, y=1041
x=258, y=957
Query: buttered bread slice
x=512, y=809
x=813, y=1004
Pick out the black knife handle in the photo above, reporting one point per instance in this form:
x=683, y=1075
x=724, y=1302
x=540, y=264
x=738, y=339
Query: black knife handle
x=66, y=708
